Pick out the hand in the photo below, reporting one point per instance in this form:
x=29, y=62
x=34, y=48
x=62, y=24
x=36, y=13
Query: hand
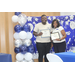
x=58, y=39
x=51, y=45
x=40, y=34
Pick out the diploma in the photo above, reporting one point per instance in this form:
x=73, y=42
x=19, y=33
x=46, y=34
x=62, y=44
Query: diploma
x=55, y=36
x=46, y=33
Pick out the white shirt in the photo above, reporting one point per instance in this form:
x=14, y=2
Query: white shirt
x=58, y=29
x=37, y=29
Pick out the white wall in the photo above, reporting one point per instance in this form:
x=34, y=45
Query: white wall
x=67, y=13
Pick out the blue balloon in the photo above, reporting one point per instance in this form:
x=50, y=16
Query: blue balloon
x=17, y=50
x=17, y=13
x=17, y=28
x=26, y=28
x=31, y=49
x=23, y=49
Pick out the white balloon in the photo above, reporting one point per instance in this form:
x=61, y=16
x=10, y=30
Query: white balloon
x=16, y=35
x=15, y=18
x=18, y=43
x=19, y=57
x=22, y=19
x=28, y=56
x=23, y=35
x=29, y=35
x=23, y=61
x=53, y=58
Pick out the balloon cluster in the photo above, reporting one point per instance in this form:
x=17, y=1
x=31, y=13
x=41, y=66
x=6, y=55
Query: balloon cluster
x=24, y=48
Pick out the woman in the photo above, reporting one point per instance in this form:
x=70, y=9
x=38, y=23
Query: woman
x=59, y=44
x=43, y=44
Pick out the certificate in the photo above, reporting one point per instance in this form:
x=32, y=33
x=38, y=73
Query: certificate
x=55, y=36
x=46, y=33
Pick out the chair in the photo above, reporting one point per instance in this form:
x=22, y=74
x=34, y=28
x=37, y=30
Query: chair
x=53, y=58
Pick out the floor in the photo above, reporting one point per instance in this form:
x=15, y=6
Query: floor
x=36, y=60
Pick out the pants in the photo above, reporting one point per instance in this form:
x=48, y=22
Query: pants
x=43, y=49
x=59, y=47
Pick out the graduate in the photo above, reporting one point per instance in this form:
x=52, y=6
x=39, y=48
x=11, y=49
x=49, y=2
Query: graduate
x=59, y=44
x=43, y=44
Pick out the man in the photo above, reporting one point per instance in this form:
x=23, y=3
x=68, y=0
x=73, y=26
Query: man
x=43, y=44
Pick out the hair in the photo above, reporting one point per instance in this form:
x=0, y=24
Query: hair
x=43, y=15
x=58, y=24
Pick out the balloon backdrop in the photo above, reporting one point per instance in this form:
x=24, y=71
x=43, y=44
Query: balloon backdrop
x=17, y=50
x=18, y=43
x=17, y=13
x=19, y=57
x=26, y=28
x=28, y=56
x=15, y=18
x=16, y=35
x=31, y=49
x=17, y=28
x=23, y=49
x=22, y=19
x=23, y=61
x=29, y=35
x=27, y=42
x=23, y=35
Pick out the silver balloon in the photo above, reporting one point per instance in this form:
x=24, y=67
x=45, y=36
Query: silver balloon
x=22, y=19
x=18, y=43
x=27, y=42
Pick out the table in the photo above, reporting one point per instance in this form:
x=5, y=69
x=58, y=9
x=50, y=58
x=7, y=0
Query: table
x=67, y=56
x=5, y=57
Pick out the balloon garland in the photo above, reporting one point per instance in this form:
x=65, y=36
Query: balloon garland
x=24, y=48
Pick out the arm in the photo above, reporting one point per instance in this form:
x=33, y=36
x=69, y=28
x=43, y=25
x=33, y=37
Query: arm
x=64, y=35
x=51, y=41
x=36, y=30
x=36, y=34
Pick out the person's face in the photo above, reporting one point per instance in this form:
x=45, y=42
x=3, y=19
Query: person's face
x=44, y=19
x=55, y=24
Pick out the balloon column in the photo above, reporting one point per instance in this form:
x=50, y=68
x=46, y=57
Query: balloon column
x=24, y=48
